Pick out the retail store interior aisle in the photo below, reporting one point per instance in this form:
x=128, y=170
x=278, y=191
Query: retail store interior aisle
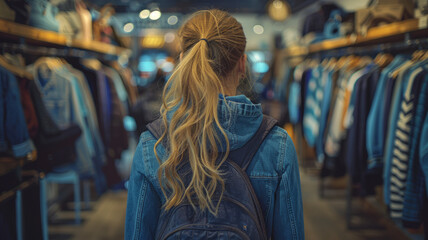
x=324, y=218
x=105, y=221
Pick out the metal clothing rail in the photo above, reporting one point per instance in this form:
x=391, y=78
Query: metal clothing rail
x=398, y=47
x=53, y=52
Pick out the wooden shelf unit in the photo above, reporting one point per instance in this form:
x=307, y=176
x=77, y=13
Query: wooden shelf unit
x=381, y=34
x=16, y=31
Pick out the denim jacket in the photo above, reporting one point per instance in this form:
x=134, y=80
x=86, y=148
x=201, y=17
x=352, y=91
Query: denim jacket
x=273, y=172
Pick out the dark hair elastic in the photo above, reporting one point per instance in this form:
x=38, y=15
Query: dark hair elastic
x=206, y=40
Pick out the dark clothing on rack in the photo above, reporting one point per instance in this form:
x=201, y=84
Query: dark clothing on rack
x=28, y=107
x=387, y=104
x=356, y=150
x=57, y=150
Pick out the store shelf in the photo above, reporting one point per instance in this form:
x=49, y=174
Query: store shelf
x=16, y=31
x=295, y=51
x=374, y=35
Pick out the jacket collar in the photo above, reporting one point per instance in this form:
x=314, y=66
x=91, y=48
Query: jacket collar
x=240, y=118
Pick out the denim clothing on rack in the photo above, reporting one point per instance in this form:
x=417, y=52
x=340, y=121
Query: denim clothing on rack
x=13, y=128
x=414, y=194
x=61, y=99
x=273, y=173
x=375, y=130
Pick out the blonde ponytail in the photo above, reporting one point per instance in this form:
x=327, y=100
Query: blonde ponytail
x=191, y=95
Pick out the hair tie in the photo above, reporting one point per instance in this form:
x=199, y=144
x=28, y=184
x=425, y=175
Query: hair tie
x=206, y=40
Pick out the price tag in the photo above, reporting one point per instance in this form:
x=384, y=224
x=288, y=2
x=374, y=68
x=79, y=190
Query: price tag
x=423, y=22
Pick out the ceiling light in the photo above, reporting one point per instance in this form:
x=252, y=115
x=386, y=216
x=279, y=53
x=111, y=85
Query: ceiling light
x=278, y=10
x=258, y=29
x=172, y=20
x=155, y=15
x=169, y=37
x=277, y=4
x=128, y=27
x=145, y=14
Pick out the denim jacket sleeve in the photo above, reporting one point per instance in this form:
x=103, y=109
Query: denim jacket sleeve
x=144, y=204
x=288, y=207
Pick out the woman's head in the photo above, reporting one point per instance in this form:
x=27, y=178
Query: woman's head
x=225, y=40
x=211, y=63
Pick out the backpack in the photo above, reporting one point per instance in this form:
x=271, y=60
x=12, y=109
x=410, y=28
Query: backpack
x=239, y=215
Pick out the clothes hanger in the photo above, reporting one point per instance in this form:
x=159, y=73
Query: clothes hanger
x=424, y=56
x=92, y=63
x=353, y=63
x=341, y=62
x=15, y=70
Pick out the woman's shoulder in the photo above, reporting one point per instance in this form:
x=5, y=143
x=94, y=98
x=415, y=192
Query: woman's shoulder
x=274, y=155
x=145, y=161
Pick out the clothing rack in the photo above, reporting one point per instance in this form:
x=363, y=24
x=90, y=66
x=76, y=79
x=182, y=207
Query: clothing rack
x=403, y=47
x=407, y=45
x=15, y=48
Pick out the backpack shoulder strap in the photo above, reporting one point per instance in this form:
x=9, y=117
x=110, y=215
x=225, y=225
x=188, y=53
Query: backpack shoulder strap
x=245, y=154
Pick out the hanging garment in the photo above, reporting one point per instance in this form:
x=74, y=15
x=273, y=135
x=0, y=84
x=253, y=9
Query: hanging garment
x=356, y=153
x=55, y=147
x=294, y=99
x=28, y=107
x=392, y=119
x=401, y=141
x=312, y=111
x=118, y=85
x=327, y=81
x=13, y=132
x=61, y=98
x=414, y=194
x=375, y=131
x=335, y=133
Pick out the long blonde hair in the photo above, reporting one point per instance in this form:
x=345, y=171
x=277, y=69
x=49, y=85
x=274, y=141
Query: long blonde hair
x=212, y=43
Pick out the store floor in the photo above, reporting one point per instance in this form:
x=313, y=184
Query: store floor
x=324, y=218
